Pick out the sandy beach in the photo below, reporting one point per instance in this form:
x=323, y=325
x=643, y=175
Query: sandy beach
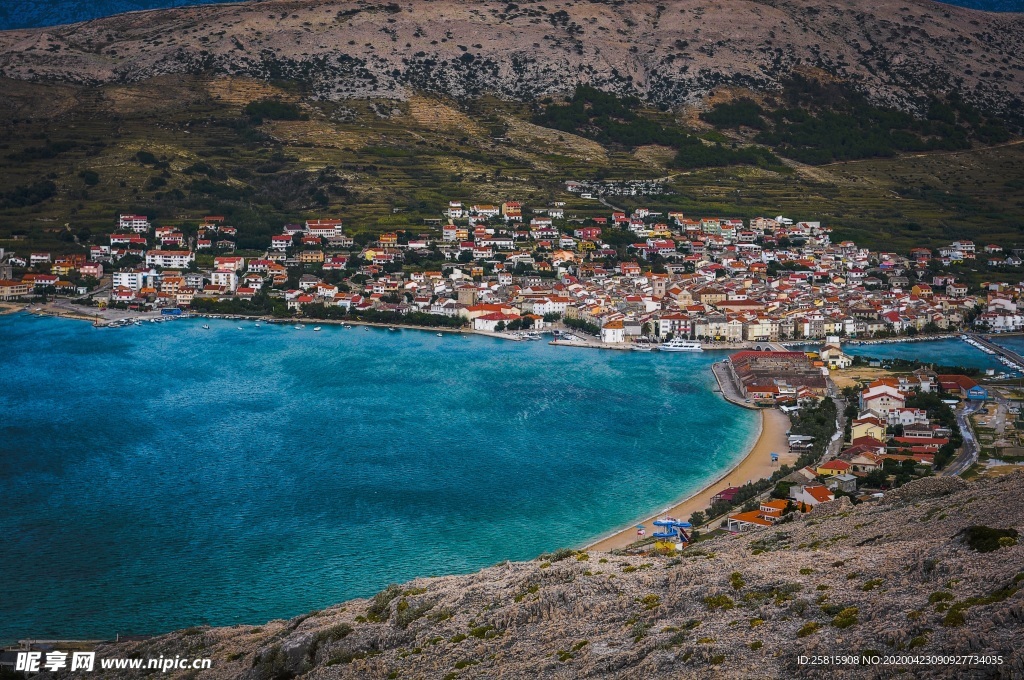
x=755, y=465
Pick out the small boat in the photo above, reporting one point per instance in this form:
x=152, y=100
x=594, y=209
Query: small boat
x=392, y=328
x=240, y=328
x=298, y=327
x=206, y=326
x=440, y=335
x=257, y=325
x=316, y=328
x=642, y=348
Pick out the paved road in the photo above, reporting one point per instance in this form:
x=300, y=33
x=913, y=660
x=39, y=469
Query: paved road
x=731, y=390
x=609, y=205
x=969, y=454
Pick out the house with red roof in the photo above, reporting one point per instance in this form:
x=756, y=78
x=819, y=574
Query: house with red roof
x=811, y=495
x=766, y=515
x=834, y=467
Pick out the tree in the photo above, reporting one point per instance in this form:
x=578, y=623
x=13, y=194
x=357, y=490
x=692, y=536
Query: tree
x=500, y=326
x=697, y=518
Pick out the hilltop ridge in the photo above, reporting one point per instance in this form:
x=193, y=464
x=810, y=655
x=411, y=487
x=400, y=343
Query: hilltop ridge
x=895, y=577
x=669, y=53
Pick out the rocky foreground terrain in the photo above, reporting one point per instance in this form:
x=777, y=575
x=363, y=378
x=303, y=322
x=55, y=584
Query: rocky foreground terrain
x=895, y=577
x=669, y=53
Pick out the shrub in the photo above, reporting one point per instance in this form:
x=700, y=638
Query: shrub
x=650, y=601
x=379, y=609
x=484, y=631
x=407, y=613
x=808, y=629
x=955, y=617
x=723, y=602
x=559, y=555
x=736, y=580
x=845, y=618
x=328, y=635
x=756, y=645
x=986, y=539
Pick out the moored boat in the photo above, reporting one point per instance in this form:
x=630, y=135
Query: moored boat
x=680, y=345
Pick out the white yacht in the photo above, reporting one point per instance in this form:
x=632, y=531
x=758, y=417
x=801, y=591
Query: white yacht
x=680, y=345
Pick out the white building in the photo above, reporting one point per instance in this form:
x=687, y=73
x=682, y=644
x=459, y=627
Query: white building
x=132, y=279
x=225, y=277
x=137, y=223
x=613, y=332
x=170, y=259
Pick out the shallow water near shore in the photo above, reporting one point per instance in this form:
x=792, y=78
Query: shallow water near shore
x=165, y=476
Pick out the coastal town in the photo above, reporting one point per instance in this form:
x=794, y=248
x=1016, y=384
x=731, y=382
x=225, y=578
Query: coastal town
x=643, y=281
x=622, y=280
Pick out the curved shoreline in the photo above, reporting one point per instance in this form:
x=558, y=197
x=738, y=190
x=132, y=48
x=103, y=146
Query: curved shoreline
x=756, y=464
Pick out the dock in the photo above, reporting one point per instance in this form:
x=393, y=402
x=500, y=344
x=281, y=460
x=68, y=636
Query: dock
x=998, y=349
x=729, y=386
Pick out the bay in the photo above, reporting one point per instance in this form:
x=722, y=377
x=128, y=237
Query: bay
x=165, y=476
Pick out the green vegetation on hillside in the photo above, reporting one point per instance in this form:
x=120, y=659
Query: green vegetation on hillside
x=389, y=172
x=271, y=109
x=820, y=123
x=610, y=119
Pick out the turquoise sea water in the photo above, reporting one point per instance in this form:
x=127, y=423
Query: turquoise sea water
x=165, y=476
x=953, y=352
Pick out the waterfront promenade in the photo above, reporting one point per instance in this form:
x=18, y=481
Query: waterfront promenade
x=729, y=386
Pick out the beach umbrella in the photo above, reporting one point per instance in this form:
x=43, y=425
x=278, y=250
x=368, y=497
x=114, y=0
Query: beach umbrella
x=640, y=526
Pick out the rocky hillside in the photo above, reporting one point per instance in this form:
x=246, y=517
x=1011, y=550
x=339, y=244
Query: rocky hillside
x=669, y=52
x=895, y=577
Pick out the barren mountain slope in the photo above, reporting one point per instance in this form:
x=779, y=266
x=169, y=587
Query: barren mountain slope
x=887, y=578
x=668, y=52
